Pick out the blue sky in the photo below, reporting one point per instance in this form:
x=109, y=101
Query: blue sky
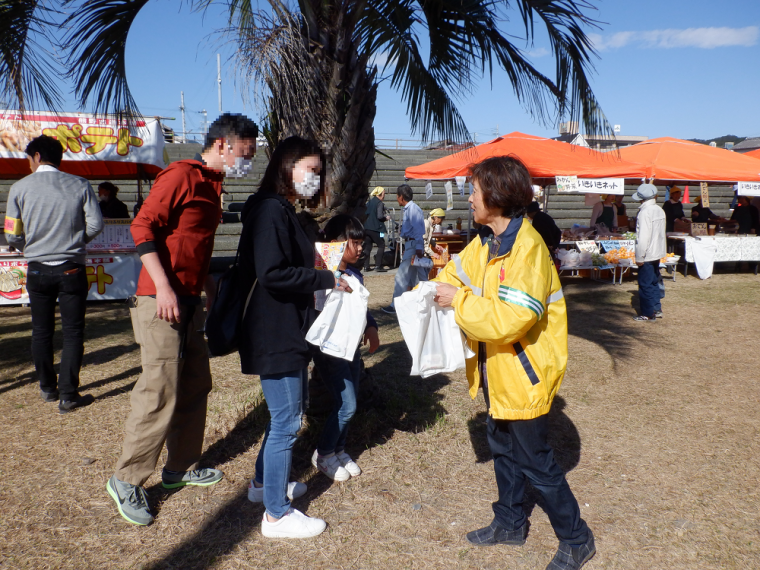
x=682, y=68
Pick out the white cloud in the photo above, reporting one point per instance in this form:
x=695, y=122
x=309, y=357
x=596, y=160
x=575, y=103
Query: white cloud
x=538, y=52
x=703, y=38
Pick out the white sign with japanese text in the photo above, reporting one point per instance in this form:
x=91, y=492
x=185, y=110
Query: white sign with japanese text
x=566, y=183
x=749, y=188
x=591, y=185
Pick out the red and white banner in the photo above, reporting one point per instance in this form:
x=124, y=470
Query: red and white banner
x=94, y=146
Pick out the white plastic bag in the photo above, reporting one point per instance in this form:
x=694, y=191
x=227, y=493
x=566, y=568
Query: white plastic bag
x=340, y=326
x=430, y=332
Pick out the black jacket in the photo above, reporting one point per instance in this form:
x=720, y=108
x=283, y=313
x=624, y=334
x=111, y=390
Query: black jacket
x=375, y=215
x=544, y=224
x=115, y=209
x=275, y=249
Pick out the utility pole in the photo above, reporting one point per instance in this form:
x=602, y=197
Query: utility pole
x=182, y=108
x=219, y=78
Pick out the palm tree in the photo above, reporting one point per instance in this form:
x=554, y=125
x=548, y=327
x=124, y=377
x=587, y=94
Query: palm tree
x=317, y=65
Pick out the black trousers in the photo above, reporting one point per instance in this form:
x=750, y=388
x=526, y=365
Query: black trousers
x=68, y=284
x=521, y=452
x=371, y=237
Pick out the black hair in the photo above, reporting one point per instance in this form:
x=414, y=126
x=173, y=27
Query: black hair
x=49, y=149
x=342, y=228
x=111, y=188
x=228, y=126
x=533, y=207
x=278, y=177
x=406, y=192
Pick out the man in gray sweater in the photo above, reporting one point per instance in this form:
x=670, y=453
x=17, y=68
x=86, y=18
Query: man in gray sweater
x=50, y=216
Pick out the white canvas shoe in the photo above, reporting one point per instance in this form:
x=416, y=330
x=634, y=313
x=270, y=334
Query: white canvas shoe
x=349, y=464
x=294, y=524
x=330, y=466
x=295, y=490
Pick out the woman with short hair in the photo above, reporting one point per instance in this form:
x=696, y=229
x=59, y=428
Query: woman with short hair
x=508, y=301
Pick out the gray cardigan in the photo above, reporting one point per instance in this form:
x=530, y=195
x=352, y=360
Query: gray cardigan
x=51, y=215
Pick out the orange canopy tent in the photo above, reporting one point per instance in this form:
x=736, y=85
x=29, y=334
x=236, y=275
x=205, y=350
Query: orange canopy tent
x=667, y=159
x=753, y=153
x=544, y=158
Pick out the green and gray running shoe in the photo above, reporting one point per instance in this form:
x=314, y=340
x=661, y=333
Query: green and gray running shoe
x=201, y=477
x=131, y=501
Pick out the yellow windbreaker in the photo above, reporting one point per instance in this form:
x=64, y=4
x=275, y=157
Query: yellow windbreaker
x=514, y=305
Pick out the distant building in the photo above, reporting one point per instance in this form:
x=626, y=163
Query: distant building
x=603, y=143
x=747, y=145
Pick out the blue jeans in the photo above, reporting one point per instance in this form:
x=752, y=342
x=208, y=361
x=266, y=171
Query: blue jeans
x=68, y=284
x=342, y=380
x=285, y=395
x=650, y=292
x=520, y=453
x=408, y=275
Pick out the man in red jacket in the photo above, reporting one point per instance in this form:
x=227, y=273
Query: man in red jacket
x=174, y=233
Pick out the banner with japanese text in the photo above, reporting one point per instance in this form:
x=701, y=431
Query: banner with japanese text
x=110, y=277
x=94, y=146
x=749, y=189
x=590, y=185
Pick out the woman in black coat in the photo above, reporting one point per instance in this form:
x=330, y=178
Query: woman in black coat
x=277, y=255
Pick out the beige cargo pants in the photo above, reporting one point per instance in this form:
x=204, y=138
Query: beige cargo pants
x=169, y=399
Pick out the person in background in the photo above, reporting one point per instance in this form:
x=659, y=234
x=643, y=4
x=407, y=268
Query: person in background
x=110, y=205
x=508, y=300
x=435, y=219
x=51, y=216
x=174, y=235
x=673, y=209
x=339, y=375
x=412, y=232
x=604, y=212
x=544, y=224
x=374, y=229
x=651, y=246
x=701, y=215
x=621, y=209
x=277, y=265
x=747, y=215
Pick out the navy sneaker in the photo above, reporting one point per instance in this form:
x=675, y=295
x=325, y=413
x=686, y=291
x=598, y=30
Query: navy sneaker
x=66, y=406
x=573, y=557
x=390, y=309
x=495, y=534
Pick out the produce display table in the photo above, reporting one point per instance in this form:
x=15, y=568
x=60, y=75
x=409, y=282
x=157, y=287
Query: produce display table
x=731, y=248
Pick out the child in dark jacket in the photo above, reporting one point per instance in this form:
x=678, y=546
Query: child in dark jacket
x=341, y=376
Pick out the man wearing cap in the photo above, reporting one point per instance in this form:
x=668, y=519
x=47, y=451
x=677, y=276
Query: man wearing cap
x=651, y=246
x=435, y=219
x=412, y=232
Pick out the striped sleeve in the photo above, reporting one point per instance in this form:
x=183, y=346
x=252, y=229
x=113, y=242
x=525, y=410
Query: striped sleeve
x=521, y=298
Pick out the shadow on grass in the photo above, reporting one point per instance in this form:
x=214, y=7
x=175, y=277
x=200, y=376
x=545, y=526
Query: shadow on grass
x=595, y=312
x=396, y=403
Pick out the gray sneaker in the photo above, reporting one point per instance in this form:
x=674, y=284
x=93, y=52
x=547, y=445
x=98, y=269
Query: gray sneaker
x=200, y=477
x=130, y=500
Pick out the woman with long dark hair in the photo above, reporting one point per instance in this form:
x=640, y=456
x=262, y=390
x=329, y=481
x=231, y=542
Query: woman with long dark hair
x=277, y=260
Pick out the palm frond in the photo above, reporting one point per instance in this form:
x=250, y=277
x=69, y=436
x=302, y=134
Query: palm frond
x=27, y=74
x=388, y=27
x=96, y=43
x=573, y=52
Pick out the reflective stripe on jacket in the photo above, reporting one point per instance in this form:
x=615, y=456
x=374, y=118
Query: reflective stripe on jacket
x=513, y=304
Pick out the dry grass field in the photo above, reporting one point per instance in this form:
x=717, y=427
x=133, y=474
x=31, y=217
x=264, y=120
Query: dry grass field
x=656, y=424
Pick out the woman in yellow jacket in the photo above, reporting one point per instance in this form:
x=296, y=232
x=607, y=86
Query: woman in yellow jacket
x=508, y=300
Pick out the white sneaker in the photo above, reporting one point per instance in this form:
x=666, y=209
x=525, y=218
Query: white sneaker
x=294, y=524
x=256, y=494
x=350, y=465
x=330, y=466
